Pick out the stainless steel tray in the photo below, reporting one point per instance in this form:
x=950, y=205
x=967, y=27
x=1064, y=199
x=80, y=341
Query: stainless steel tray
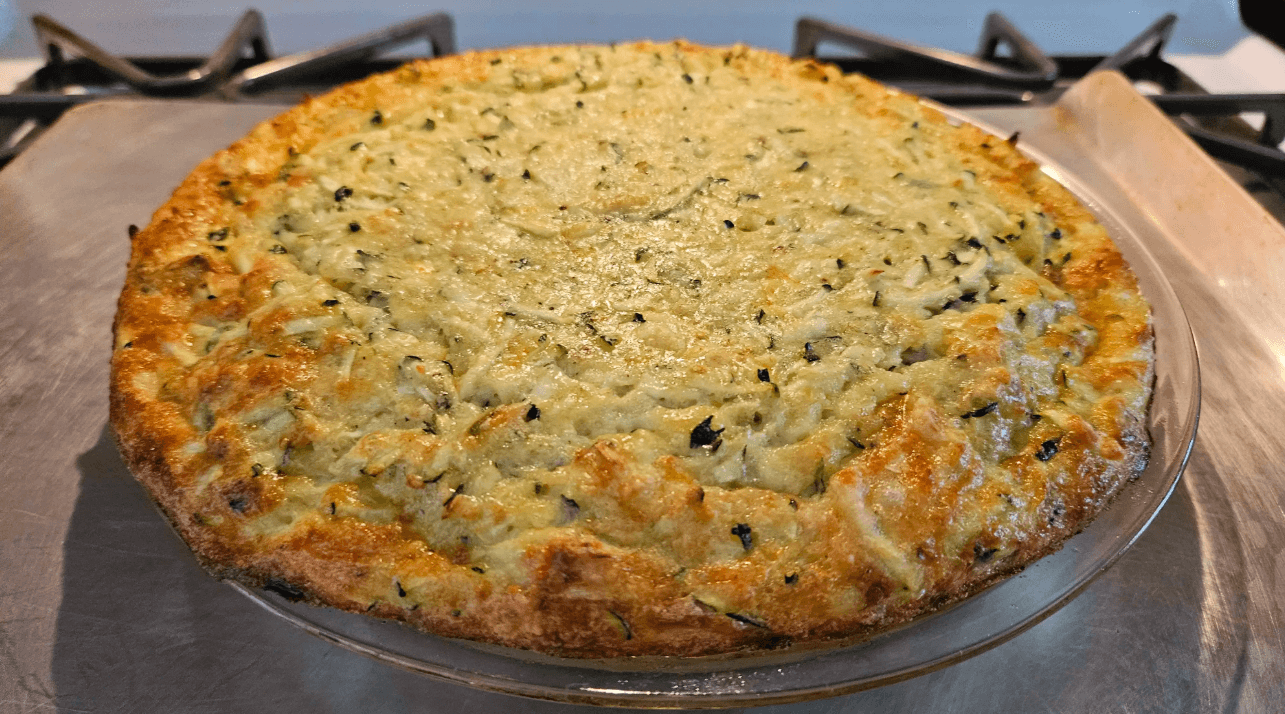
x=103, y=609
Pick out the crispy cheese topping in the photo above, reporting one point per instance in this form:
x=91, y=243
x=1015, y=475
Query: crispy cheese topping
x=564, y=295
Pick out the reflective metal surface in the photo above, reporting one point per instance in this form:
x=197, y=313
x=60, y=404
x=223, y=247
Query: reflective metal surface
x=102, y=609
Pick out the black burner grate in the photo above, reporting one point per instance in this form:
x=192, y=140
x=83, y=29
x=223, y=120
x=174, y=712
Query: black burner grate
x=1025, y=76
x=1008, y=68
x=77, y=71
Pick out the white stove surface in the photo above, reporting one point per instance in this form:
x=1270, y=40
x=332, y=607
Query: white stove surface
x=13, y=71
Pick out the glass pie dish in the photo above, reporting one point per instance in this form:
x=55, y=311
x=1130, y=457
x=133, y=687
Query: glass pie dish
x=969, y=627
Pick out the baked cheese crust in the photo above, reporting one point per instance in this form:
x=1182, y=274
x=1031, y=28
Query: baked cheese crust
x=654, y=349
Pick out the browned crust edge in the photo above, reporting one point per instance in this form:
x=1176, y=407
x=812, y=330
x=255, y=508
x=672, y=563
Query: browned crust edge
x=144, y=428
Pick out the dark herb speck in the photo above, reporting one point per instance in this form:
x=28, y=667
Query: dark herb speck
x=1056, y=513
x=983, y=411
x=764, y=376
x=342, y=192
x=624, y=626
x=743, y=531
x=744, y=620
x=705, y=435
x=458, y=490
x=1048, y=449
x=570, y=509
x=354, y=227
x=533, y=413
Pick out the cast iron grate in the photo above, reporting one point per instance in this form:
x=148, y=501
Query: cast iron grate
x=1026, y=74
x=77, y=71
x=1008, y=68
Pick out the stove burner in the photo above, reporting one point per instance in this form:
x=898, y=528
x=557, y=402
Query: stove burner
x=1145, y=47
x=78, y=71
x=249, y=32
x=1031, y=76
x=438, y=29
x=1029, y=68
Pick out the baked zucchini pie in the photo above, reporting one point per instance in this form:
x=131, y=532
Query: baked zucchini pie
x=649, y=349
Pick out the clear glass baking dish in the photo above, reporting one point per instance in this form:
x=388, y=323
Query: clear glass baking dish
x=931, y=642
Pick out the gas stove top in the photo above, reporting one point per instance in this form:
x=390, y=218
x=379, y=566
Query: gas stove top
x=104, y=610
x=1007, y=69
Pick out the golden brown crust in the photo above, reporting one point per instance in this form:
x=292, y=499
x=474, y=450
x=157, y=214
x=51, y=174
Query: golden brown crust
x=918, y=516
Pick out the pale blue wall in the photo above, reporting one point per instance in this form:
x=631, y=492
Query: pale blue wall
x=1061, y=26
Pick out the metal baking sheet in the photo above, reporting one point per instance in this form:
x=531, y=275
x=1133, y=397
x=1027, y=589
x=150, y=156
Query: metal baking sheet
x=103, y=609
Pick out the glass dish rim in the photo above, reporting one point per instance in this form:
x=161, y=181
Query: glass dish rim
x=731, y=681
